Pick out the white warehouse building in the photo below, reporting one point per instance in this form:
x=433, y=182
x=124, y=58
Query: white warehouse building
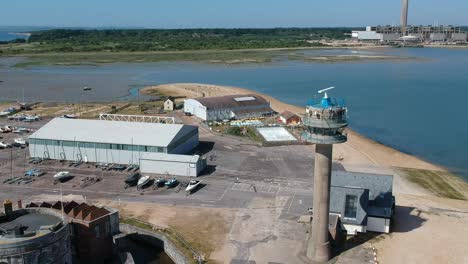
x=109, y=141
x=228, y=107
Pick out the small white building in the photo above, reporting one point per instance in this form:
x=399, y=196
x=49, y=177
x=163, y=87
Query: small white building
x=169, y=104
x=370, y=36
x=228, y=107
x=178, y=165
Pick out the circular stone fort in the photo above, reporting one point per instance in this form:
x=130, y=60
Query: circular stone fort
x=33, y=235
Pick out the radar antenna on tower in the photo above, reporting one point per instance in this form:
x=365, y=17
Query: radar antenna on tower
x=325, y=90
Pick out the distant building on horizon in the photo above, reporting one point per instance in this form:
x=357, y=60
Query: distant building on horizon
x=405, y=33
x=398, y=34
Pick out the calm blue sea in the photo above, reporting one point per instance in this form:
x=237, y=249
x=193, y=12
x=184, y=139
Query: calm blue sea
x=5, y=32
x=418, y=106
x=5, y=36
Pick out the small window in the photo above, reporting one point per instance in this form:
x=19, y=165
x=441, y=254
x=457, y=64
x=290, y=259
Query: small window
x=96, y=230
x=350, y=206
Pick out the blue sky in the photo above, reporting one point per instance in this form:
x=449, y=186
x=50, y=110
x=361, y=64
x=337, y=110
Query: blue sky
x=224, y=13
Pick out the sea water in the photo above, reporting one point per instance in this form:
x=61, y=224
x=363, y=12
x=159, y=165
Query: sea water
x=418, y=106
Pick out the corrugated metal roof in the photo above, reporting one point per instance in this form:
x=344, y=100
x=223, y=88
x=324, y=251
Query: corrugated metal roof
x=232, y=101
x=265, y=110
x=170, y=157
x=114, y=132
x=288, y=114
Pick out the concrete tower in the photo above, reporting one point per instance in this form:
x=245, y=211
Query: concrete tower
x=324, y=125
x=404, y=16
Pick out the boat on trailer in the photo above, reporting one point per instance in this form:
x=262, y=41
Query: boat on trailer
x=143, y=181
x=160, y=182
x=132, y=179
x=193, y=185
x=20, y=141
x=171, y=183
x=61, y=175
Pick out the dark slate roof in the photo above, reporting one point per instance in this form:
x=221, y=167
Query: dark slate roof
x=380, y=186
x=32, y=221
x=229, y=101
x=170, y=98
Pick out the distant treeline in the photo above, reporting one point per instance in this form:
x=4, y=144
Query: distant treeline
x=81, y=40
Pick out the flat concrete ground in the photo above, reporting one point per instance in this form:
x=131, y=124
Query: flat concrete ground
x=271, y=186
x=264, y=190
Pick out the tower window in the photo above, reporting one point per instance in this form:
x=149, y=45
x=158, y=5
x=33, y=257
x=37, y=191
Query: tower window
x=350, y=206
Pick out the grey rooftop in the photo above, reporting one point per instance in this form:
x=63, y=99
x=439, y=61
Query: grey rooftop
x=111, y=132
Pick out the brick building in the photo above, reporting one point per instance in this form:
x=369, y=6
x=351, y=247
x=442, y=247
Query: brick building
x=290, y=118
x=92, y=229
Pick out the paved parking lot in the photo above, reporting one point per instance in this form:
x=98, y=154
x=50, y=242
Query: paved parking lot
x=238, y=171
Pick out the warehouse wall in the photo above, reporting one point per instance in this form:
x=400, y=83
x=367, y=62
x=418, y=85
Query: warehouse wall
x=187, y=146
x=92, y=154
x=177, y=168
x=180, y=145
x=100, y=155
x=195, y=108
x=169, y=167
x=459, y=37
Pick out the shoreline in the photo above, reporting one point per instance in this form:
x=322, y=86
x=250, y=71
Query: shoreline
x=370, y=151
x=241, y=56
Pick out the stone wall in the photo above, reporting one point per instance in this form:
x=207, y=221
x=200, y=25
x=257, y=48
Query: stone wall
x=158, y=240
x=53, y=247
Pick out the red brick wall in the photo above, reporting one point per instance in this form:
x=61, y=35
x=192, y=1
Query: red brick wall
x=88, y=246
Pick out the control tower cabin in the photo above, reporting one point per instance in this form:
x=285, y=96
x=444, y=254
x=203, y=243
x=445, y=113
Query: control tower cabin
x=324, y=125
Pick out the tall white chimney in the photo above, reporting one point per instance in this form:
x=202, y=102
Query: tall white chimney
x=404, y=14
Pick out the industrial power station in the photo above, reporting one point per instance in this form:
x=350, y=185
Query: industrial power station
x=405, y=33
